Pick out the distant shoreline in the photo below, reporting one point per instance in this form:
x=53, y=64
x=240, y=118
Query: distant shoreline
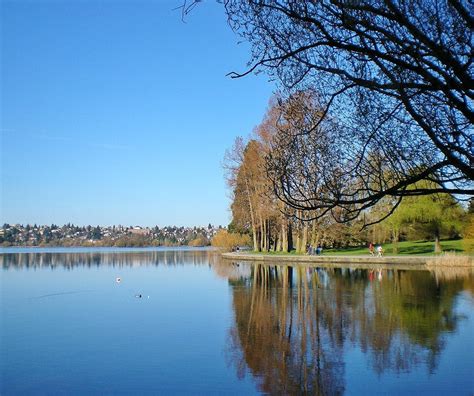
x=96, y=246
x=94, y=249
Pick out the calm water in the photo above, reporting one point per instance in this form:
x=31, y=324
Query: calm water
x=185, y=322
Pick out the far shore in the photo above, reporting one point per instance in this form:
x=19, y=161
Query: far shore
x=87, y=246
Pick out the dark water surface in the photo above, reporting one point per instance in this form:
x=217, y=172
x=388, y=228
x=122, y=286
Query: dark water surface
x=186, y=322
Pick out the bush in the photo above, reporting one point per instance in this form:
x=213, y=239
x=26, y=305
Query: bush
x=468, y=242
x=131, y=241
x=228, y=241
x=199, y=241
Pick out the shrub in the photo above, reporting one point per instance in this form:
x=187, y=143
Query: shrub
x=199, y=241
x=228, y=241
x=468, y=242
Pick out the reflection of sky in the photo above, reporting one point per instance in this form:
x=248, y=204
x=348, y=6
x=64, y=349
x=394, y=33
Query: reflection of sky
x=68, y=326
x=81, y=332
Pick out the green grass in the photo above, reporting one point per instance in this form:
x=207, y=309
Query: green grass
x=404, y=248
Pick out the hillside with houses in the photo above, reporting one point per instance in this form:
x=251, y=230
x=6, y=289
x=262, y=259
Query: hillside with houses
x=120, y=236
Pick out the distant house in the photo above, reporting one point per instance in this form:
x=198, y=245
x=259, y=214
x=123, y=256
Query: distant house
x=139, y=230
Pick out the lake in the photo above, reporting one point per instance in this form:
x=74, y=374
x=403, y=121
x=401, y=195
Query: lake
x=184, y=321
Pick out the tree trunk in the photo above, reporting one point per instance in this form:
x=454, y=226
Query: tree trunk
x=290, y=237
x=298, y=239
x=252, y=218
x=254, y=235
x=269, y=235
x=304, y=240
x=314, y=234
x=284, y=236
x=437, y=247
x=395, y=238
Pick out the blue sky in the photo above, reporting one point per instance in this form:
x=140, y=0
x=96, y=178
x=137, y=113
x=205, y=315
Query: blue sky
x=120, y=113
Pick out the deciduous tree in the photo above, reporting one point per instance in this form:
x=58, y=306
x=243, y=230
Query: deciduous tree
x=394, y=79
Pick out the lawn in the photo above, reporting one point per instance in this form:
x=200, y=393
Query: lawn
x=404, y=248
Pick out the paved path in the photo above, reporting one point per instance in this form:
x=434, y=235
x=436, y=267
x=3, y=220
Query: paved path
x=358, y=261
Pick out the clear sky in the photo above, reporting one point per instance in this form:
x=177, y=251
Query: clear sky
x=119, y=113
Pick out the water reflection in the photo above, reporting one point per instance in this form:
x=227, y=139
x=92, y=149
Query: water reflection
x=293, y=329
x=98, y=258
x=294, y=326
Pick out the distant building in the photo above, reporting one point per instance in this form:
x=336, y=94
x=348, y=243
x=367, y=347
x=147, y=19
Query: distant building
x=139, y=231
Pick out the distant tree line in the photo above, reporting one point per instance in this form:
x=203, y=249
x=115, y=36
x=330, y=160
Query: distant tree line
x=120, y=236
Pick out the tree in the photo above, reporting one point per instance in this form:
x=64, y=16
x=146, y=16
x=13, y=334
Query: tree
x=253, y=204
x=434, y=214
x=47, y=234
x=96, y=233
x=395, y=81
x=270, y=153
x=470, y=208
x=255, y=207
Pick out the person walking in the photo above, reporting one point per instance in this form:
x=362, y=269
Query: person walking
x=379, y=251
x=371, y=249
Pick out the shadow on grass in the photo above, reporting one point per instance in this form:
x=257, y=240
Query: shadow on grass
x=404, y=248
x=423, y=247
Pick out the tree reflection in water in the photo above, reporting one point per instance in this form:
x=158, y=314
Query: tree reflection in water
x=294, y=328
x=294, y=325
x=118, y=258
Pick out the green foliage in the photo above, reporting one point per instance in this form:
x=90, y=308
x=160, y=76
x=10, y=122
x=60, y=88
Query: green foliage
x=470, y=208
x=429, y=217
x=404, y=248
x=468, y=233
x=96, y=233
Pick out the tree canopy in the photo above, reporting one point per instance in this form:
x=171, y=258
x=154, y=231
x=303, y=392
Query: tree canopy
x=392, y=92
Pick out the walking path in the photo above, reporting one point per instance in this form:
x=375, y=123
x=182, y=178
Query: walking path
x=337, y=261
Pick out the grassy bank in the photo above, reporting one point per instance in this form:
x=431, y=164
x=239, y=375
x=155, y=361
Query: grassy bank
x=404, y=248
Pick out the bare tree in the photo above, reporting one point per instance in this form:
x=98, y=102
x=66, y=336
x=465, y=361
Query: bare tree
x=393, y=82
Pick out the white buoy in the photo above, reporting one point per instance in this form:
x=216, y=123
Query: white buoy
x=118, y=280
